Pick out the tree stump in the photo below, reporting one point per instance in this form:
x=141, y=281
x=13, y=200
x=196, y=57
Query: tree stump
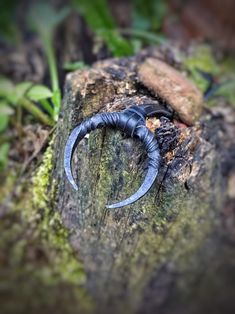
x=154, y=256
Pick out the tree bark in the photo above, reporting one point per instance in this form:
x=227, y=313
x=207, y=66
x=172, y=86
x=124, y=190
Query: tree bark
x=157, y=255
x=171, y=252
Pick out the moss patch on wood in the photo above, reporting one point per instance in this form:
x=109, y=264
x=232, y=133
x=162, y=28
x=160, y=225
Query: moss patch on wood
x=37, y=253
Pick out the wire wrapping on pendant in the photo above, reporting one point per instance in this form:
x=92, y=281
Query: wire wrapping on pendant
x=130, y=121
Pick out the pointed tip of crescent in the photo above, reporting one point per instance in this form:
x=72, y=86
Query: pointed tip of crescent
x=70, y=178
x=144, y=188
x=117, y=205
x=74, y=185
x=112, y=206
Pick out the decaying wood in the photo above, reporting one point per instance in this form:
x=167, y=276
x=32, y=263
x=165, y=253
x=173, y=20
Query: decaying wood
x=157, y=255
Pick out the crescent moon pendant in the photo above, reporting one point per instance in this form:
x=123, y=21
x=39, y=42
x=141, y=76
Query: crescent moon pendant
x=130, y=121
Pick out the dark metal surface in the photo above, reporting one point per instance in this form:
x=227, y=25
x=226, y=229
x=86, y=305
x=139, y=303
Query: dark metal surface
x=132, y=122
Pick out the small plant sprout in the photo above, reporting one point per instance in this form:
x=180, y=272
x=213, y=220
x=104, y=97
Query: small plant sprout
x=44, y=19
x=25, y=94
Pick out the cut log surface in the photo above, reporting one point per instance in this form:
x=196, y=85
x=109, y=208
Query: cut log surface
x=156, y=255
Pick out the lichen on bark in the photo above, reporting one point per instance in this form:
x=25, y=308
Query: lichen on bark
x=125, y=251
x=40, y=255
x=137, y=259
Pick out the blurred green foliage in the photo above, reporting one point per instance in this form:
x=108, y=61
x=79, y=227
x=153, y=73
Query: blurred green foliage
x=147, y=20
x=5, y=112
x=44, y=19
x=24, y=95
x=8, y=31
x=202, y=59
x=148, y=15
x=145, y=24
x=4, y=150
x=73, y=66
x=99, y=18
x=227, y=90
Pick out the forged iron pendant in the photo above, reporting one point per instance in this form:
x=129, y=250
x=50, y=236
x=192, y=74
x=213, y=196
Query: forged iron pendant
x=131, y=121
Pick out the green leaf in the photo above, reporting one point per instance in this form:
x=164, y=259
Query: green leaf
x=4, y=149
x=11, y=92
x=39, y=92
x=73, y=66
x=56, y=99
x=46, y=105
x=5, y=109
x=44, y=18
x=140, y=22
x=160, y=11
x=20, y=91
x=5, y=112
x=115, y=43
x=96, y=13
x=3, y=122
x=144, y=36
x=6, y=88
x=15, y=95
x=35, y=111
x=149, y=14
x=98, y=17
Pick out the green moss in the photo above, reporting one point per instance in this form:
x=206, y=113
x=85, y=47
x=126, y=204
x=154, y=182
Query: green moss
x=172, y=230
x=7, y=185
x=65, y=265
x=37, y=248
x=174, y=235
